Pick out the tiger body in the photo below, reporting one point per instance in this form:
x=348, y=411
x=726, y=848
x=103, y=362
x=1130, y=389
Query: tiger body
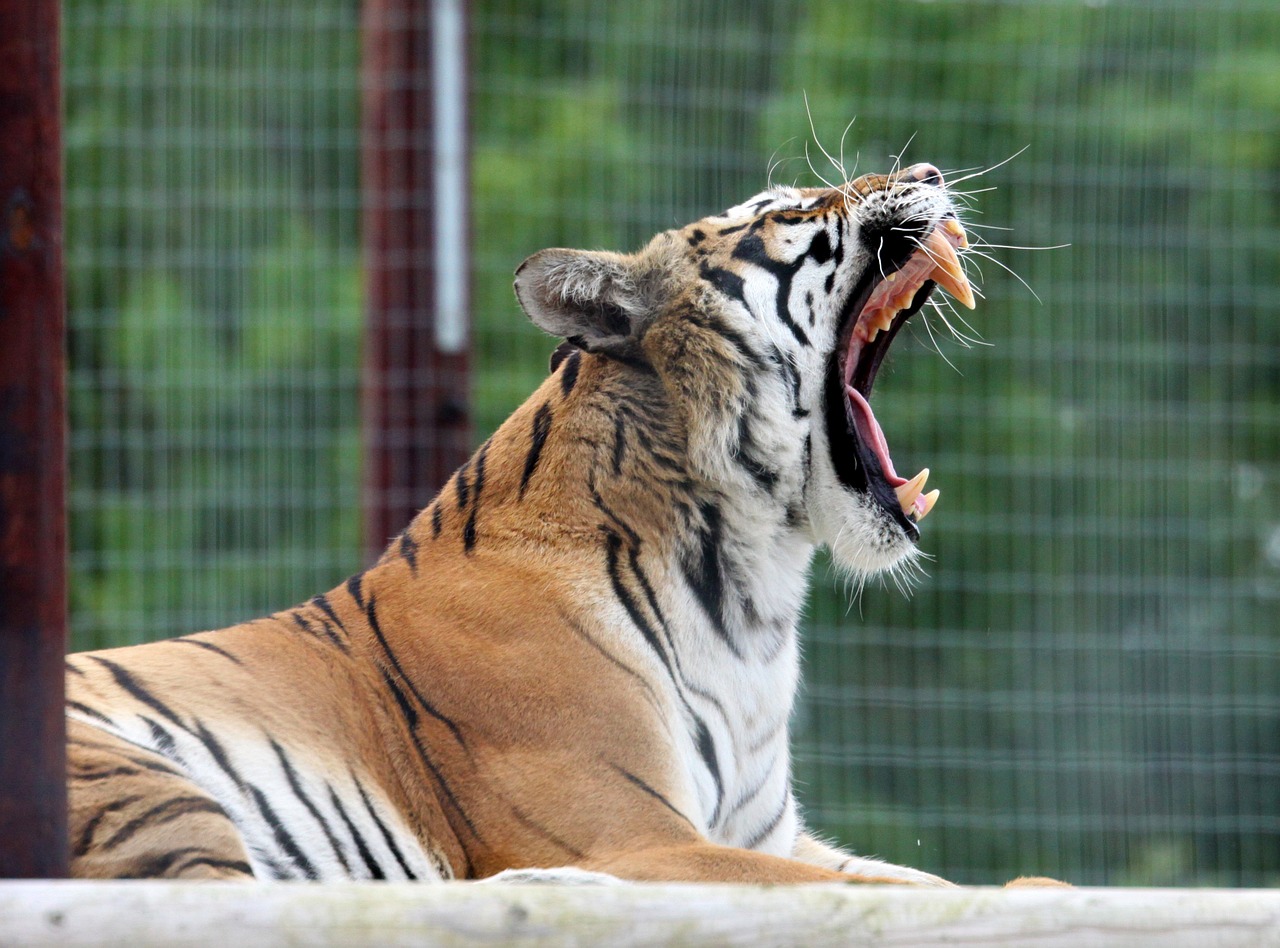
x=583, y=653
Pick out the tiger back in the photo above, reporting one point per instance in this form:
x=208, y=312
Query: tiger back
x=579, y=660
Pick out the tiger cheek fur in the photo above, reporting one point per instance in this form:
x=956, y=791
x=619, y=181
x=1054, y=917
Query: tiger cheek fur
x=581, y=657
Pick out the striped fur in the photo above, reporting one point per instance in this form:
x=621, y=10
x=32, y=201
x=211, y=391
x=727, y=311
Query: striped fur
x=583, y=652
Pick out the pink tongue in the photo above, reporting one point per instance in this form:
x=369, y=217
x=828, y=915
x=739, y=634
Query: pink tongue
x=869, y=431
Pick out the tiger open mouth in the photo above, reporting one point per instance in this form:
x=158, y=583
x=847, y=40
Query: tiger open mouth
x=885, y=298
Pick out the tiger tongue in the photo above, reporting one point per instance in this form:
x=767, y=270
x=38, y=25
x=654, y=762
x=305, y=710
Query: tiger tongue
x=869, y=430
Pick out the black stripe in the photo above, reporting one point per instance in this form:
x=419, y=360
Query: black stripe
x=375, y=870
x=409, y=550
x=86, y=835
x=167, y=746
x=746, y=458
x=532, y=824
x=619, y=442
x=460, y=484
x=793, y=379
x=323, y=603
x=327, y=630
x=820, y=248
x=75, y=669
x=91, y=776
x=386, y=833
x=208, y=646
x=435, y=520
x=219, y=754
x=164, y=768
x=763, y=833
x=411, y=715
x=748, y=796
x=651, y=792
x=613, y=545
x=355, y=586
x=703, y=572
x=155, y=765
x=706, y=747
x=541, y=428
x=751, y=249
x=590, y=639
x=90, y=712
x=569, y=372
x=166, y=812
x=131, y=685
x=212, y=862
x=305, y=625
x=727, y=282
x=732, y=336
x=469, y=531
x=295, y=784
x=371, y=613
x=158, y=864
x=284, y=839
x=707, y=751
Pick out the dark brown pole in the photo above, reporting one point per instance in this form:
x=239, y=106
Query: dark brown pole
x=416, y=414
x=33, y=797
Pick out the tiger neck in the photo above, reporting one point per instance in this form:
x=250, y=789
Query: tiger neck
x=595, y=466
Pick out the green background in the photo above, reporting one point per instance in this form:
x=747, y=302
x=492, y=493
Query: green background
x=1086, y=685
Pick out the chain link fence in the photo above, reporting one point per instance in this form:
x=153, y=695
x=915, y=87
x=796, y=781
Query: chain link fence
x=1086, y=685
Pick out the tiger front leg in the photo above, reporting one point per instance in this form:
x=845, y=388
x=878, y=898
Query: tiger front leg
x=703, y=861
x=815, y=852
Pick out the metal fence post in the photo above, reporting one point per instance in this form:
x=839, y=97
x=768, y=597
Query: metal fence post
x=415, y=389
x=33, y=799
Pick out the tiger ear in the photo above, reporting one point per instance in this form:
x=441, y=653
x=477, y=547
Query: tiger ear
x=593, y=299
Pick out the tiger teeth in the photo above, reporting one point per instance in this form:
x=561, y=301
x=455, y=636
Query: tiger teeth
x=953, y=228
x=947, y=272
x=929, y=499
x=908, y=492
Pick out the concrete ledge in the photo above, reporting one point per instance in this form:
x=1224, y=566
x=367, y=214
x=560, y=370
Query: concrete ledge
x=168, y=914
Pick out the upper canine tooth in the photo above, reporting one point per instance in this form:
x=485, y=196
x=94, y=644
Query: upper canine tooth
x=947, y=272
x=944, y=255
x=957, y=286
x=955, y=229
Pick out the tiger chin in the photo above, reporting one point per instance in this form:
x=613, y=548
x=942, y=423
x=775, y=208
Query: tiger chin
x=578, y=662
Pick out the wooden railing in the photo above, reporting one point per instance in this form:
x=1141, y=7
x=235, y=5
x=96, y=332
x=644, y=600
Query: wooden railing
x=142, y=914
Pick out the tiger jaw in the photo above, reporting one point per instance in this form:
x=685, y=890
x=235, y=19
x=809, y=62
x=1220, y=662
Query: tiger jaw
x=878, y=309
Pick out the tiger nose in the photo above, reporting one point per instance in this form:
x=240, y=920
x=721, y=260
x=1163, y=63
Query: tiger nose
x=924, y=173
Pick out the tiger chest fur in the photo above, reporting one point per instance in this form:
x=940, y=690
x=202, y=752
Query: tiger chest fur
x=581, y=656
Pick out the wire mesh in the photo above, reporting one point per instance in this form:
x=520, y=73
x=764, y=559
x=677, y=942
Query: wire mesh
x=1087, y=684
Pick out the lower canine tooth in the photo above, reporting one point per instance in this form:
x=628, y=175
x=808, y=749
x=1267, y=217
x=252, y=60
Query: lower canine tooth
x=930, y=499
x=908, y=492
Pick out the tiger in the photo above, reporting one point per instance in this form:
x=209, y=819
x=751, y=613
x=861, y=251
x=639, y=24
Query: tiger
x=579, y=661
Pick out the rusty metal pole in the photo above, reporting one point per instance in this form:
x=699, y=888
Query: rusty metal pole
x=33, y=798
x=416, y=414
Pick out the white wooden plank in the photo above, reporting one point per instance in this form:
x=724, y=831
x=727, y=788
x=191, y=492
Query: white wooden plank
x=249, y=915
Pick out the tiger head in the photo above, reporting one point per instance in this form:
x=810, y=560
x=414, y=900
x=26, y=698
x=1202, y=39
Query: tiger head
x=766, y=325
